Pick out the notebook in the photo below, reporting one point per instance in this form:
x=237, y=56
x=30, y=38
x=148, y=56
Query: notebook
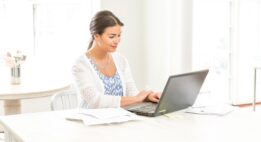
x=179, y=93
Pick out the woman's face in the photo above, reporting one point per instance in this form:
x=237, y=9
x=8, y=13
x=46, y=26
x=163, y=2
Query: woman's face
x=110, y=39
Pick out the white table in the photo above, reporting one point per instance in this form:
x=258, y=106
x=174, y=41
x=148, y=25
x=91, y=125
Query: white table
x=239, y=126
x=36, y=82
x=13, y=94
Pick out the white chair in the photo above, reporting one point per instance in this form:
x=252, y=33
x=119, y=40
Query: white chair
x=64, y=100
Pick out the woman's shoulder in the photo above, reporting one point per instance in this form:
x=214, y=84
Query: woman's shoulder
x=120, y=60
x=81, y=62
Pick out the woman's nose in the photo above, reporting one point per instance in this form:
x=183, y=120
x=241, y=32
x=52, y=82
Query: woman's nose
x=117, y=40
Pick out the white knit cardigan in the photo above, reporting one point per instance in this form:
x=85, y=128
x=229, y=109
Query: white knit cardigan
x=90, y=87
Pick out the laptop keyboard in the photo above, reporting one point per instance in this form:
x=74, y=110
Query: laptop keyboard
x=145, y=107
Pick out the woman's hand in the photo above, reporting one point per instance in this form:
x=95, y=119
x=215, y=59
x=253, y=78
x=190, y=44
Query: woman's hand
x=128, y=100
x=143, y=95
x=153, y=97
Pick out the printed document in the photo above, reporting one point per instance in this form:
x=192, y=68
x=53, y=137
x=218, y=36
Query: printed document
x=102, y=116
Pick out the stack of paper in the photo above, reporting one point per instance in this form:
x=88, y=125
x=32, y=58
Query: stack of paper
x=219, y=110
x=102, y=116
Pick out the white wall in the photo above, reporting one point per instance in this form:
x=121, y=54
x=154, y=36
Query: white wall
x=167, y=39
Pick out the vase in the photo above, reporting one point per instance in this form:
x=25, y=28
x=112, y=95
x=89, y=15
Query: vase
x=16, y=75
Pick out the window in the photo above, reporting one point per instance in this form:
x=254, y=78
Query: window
x=226, y=39
x=54, y=30
x=16, y=26
x=211, y=47
x=246, y=30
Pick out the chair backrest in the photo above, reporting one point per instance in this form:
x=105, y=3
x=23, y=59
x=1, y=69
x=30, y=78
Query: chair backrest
x=64, y=100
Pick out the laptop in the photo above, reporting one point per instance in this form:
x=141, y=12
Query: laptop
x=180, y=92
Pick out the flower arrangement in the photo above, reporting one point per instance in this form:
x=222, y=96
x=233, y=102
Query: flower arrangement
x=15, y=60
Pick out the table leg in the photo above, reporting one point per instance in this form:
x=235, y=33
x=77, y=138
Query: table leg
x=12, y=107
x=254, y=98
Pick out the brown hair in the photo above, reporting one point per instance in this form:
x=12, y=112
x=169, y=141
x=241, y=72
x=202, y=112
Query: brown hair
x=101, y=21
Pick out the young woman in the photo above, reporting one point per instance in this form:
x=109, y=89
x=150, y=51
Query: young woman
x=102, y=75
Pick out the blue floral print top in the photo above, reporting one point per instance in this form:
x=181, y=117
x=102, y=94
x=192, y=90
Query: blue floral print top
x=112, y=85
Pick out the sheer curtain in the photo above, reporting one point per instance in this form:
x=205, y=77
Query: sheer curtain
x=211, y=48
x=246, y=31
x=53, y=31
x=226, y=39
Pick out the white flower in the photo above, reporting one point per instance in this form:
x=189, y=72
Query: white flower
x=14, y=60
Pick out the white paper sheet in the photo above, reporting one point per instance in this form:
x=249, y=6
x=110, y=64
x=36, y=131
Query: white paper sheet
x=219, y=110
x=102, y=116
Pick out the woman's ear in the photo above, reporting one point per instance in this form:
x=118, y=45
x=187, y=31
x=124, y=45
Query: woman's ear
x=96, y=36
x=97, y=39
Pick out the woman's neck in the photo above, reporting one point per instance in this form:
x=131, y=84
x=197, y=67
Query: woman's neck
x=100, y=58
x=97, y=53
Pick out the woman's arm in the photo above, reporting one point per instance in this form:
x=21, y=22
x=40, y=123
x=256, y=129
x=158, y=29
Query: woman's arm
x=132, y=95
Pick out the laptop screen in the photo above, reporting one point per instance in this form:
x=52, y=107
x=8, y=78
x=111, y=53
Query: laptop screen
x=181, y=91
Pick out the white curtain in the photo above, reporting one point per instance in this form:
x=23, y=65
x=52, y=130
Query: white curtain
x=228, y=42
x=246, y=31
x=211, y=48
